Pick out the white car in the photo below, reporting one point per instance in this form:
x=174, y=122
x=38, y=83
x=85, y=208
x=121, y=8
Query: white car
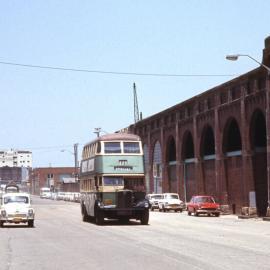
x=16, y=208
x=154, y=200
x=171, y=201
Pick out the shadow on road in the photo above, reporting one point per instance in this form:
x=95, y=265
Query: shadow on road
x=16, y=226
x=116, y=222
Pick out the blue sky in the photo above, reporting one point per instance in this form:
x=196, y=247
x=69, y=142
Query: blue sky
x=48, y=110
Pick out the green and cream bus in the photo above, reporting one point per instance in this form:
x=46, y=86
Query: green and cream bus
x=112, y=182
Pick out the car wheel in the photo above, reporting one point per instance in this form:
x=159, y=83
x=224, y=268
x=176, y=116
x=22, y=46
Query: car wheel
x=31, y=223
x=1, y=223
x=181, y=210
x=189, y=213
x=217, y=214
x=145, y=217
x=196, y=213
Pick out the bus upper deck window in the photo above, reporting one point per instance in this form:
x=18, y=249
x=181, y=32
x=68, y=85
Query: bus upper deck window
x=112, y=147
x=131, y=147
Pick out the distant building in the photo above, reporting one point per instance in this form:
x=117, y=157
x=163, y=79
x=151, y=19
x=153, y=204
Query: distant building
x=17, y=175
x=56, y=178
x=16, y=158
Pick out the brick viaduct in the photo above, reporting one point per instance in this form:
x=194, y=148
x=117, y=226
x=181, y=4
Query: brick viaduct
x=216, y=143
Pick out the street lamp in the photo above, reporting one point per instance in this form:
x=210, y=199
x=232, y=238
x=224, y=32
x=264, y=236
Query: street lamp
x=75, y=154
x=235, y=57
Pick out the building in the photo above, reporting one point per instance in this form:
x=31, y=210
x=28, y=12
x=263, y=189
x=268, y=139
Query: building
x=16, y=158
x=215, y=143
x=56, y=178
x=17, y=175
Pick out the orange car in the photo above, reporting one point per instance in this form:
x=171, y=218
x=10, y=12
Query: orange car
x=203, y=205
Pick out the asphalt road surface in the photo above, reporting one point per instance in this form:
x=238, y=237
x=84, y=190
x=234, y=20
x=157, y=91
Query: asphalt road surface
x=60, y=240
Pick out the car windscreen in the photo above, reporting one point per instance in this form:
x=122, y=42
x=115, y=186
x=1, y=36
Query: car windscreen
x=16, y=199
x=113, y=181
x=172, y=196
x=205, y=200
x=157, y=197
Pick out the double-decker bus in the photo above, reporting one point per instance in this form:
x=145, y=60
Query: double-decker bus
x=112, y=182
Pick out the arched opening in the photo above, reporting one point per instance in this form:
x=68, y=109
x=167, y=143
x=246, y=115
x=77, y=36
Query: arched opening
x=171, y=164
x=188, y=146
x=208, y=161
x=189, y=166
x=232, y=149
x=259, y=161
x=157, y=168
x=232, y=143
x=146, y=167
x=208, y=143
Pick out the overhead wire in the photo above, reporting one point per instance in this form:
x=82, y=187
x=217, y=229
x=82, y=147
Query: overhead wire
x=114, y=72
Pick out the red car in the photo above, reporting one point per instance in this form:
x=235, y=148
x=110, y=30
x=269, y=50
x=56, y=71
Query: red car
x=203, y=205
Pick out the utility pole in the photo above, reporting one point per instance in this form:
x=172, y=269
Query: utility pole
x=76, y=161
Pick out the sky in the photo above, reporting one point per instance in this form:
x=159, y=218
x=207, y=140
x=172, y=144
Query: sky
x=46, y=111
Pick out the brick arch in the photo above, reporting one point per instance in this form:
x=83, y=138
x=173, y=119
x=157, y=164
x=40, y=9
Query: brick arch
x=207, y=154
x=257, y=113
x=185, y=151
x=231, y=136
x=170, y=163
x=157, y=166
x=258, y=143
x=232, y=149
x=170, y=149
x=207, y=136
x=188, y=158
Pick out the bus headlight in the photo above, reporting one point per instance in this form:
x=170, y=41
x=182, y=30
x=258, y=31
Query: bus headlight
x=3, y=213
x=100, y=204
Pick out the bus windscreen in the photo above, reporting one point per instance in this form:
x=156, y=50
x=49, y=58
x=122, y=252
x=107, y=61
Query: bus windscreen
x=113, y=181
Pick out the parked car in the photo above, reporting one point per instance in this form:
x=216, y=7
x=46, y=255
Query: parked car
x=60, y=195
x=171, y=201
x=203, y=205
x=16, y=208
x=154, y=200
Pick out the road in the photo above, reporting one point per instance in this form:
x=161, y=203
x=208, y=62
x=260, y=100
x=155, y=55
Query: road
x=60, y=240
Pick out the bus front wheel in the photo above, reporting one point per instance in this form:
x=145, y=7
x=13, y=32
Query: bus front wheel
x=145, y=217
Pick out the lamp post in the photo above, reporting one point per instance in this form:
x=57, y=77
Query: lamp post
x=235, y=57
x=75, y=154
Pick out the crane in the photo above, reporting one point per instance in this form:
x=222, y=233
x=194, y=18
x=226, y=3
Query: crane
x=136, y=107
